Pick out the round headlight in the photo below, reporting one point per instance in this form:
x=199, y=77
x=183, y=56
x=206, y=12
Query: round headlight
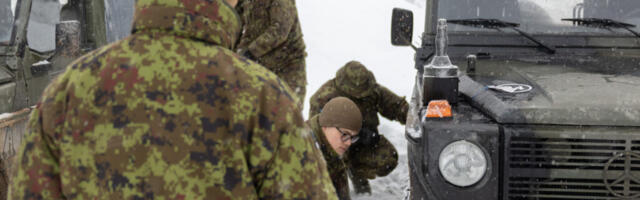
x=462, y=163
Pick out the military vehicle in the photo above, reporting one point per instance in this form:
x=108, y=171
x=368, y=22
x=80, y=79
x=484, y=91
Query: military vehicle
x=38, y=39
x=524, y=99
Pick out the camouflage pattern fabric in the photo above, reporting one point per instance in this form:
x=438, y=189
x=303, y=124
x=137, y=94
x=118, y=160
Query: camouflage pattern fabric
x=170, y=113
x=335, y=164
x=358, y=84
x=273, y=35
x=369, y=161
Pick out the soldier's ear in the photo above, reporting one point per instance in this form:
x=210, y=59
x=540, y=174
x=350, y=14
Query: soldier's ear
x=325, y=130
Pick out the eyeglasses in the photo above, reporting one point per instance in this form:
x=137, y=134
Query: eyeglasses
x=346, y=137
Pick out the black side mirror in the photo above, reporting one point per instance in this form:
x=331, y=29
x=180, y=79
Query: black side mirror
x=401, y=27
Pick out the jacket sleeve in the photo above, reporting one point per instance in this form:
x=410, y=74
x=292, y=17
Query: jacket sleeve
x=317, y=101
x=340, y=181
x=37, y=168
x=293, y=166
x=282, y=15
x=392, y=106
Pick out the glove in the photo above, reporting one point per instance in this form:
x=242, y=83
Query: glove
x=247, y=54
x=368, y=137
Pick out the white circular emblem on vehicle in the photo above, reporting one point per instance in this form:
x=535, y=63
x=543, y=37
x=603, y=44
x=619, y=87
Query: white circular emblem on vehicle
x=511, y=88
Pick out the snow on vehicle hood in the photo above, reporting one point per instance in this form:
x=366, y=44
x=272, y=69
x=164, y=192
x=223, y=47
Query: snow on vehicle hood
x=562, y=93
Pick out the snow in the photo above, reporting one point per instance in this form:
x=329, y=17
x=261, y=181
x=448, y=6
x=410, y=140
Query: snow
x=336, y=32
x=43, y=62
x=4, y=116
x=394, y=185
x=13, y=6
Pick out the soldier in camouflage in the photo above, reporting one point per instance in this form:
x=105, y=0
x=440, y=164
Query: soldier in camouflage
x=170, y=113
x=335, y=129
x=373, y=155
x=272, y=36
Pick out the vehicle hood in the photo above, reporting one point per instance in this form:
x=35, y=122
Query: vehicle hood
x=567, y=93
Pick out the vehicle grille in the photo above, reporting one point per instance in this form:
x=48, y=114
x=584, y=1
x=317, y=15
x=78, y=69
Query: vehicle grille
x=563, y=168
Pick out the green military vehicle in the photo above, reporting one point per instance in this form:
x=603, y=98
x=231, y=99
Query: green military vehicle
x=525, y=99
x=38, y=39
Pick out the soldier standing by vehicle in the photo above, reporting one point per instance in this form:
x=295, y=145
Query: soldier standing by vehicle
x=272, y=36
x=170, y=112
x=373, y=155
x=334, y=130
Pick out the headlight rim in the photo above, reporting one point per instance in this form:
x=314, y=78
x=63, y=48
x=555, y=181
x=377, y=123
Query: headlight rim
x=487, y=164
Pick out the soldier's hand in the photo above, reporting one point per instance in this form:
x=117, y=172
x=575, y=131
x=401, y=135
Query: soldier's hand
x=247, y=54
x=368, y=137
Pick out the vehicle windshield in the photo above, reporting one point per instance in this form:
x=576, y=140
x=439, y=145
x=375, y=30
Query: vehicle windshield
x=543, y=16
x=7, y=13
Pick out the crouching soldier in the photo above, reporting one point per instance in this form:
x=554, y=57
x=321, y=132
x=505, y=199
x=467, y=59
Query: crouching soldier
x=334, y=130
x=373, y=155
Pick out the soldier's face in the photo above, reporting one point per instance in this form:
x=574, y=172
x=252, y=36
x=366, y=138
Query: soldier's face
x=232, y=3
x=339, y=139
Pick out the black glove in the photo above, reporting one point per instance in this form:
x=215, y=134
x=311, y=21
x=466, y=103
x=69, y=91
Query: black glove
x=247, y=54
x=368, y=137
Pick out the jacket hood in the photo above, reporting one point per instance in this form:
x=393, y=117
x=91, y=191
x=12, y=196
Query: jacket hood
x=213, y=21
x=354, y=80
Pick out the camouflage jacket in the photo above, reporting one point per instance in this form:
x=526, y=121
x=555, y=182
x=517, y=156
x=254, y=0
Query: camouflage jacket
x=271, y=32
x=335, y=164
x=379, y=100
x=170, y=113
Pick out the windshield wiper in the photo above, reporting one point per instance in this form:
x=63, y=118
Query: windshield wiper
x=603, y=23
x=499, y=24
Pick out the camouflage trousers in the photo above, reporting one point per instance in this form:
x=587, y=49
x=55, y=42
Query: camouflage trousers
x=295, y=75
x=368, y=161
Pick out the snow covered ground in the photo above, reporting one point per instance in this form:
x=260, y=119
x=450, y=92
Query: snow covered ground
x=395, y=185
x=337, y=31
